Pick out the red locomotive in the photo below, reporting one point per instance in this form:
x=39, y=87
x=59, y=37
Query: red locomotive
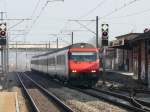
x=77, y=64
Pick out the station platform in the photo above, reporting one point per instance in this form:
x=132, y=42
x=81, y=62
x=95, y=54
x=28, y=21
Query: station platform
x=8, y=102
x=120, y=72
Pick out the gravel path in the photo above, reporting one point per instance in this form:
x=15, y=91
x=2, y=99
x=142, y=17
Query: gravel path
x=84, y=103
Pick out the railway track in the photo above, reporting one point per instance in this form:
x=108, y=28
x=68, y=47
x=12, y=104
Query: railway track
x=126, y=97
x=139, y=103
x=41, y=99
x=117, y=99
x=134, y=90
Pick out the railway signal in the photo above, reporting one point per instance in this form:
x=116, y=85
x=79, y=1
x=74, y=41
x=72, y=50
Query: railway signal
x=3, y=34
x=105, y=30
x=146, y=30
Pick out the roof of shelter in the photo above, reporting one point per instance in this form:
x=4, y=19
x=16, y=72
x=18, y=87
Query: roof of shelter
x=142, y=36
x=128, y=36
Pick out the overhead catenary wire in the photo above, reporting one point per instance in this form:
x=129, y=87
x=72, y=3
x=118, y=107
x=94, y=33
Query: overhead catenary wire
x=130, y=15
x=36, y=7
x=92, y=10
x=86, y=14
x=118, y=9
x=36, y=18
x=108, y=14
x=32, y=15
x=85, y=27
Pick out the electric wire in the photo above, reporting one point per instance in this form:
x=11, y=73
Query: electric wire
x=88, y=13
x=27, y=27
x=129, y=15
x=36, y=18
x=112, y=12
x=118, y=9
x=36, y=7
x=92, y=10
x=84, y=26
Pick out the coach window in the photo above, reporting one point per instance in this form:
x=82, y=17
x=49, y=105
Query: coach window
x=63, y=60
x=51, y=61
x=41, y=62
x=32, y=62
x=36, y=62
x=45, y=62
x=57, y=59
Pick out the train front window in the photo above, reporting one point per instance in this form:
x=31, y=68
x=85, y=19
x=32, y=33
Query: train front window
x=83, y=56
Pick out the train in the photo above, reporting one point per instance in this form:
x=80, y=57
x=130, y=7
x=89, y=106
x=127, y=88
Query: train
x=77, y=64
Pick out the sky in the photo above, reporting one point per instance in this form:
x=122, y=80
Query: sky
x=47, y=20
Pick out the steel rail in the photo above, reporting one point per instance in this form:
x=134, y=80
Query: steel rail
x=57, y=100
x=133, y=100
x=35, y=108
x=135, y=90
x=110, y=98
x=129, y=106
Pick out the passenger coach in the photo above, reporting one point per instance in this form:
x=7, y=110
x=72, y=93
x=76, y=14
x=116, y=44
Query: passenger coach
x=77, y=64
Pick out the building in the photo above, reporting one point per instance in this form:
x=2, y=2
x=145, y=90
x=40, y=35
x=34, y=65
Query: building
x=132, y=54
x=123, y=52
x=141, y=57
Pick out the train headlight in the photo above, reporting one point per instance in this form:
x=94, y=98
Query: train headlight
x=93, y=71
x=74, y=71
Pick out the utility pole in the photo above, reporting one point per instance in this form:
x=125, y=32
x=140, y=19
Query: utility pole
x=26, y=59
x=72, y=38
x=2, y=15
x=5, y=47
x=16, y=56
x=57, y=42
x=4, y=59
x=49, y=44
x=97, y=31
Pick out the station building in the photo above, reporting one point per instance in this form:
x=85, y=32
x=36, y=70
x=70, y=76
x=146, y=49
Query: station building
x=131, y=53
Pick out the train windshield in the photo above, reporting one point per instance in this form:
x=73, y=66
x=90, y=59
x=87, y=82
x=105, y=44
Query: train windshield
x=83, y=56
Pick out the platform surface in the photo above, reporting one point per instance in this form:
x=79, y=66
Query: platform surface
x=8, y=101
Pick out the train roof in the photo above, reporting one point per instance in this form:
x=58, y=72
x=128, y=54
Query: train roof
x=77, y=45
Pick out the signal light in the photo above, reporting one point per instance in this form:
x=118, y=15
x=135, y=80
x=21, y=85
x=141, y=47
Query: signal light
x=3, y=30
x=3, y=33
x=146, y=30
x=105, y=34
